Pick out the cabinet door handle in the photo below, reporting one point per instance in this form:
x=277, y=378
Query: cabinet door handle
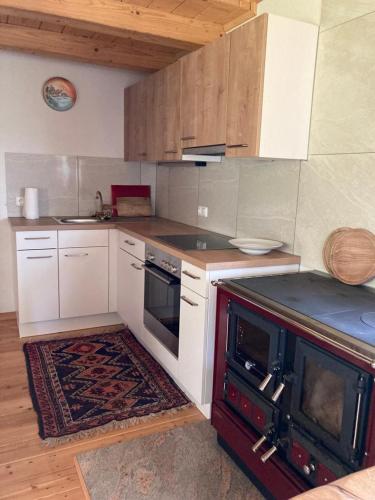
x=192, y=276
x=41, y=257
x=142, y=154
x=170, y=151
x=76, y=255
x=138, y=268
x=128, y=242
x=39, y=238
x=237, y=145
x=188, y=138
x=188, y=301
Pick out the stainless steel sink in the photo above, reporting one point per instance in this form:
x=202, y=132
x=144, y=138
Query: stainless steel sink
x=78, y=220
x=93, y=220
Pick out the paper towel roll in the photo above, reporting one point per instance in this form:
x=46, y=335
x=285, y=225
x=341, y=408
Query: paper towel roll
x=31, y=206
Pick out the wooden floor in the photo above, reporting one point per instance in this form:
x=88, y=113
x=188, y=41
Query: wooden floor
x=29, y=470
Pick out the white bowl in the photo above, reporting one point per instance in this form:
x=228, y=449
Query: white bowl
x=255, y=246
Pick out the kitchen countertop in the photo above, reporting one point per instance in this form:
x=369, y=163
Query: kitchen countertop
x=146, y=229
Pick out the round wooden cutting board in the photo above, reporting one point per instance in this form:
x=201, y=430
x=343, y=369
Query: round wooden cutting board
x=349, y=255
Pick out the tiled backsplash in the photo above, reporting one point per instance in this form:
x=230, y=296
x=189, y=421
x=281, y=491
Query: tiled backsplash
x=67, y=184
x=245, y=197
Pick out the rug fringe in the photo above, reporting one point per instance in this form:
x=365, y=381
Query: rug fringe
x=113, y=425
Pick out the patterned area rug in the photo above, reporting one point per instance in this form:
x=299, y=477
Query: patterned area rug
x=81, y=384
x=185, y=463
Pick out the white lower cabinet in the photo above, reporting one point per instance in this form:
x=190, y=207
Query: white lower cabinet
x=38, y=298
x=192, y=343
x=83, y=281
x=131, y=277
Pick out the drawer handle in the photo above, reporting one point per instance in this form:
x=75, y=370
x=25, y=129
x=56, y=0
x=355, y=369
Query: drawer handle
x=76, y=255
x=142, y=154
x=188, y=138
x=237, y=145
x=39, y=238
x=170, y=151
x=128, y=242
x=192, y=276
x=138, y=268
x=188, y=301
x=41, y=257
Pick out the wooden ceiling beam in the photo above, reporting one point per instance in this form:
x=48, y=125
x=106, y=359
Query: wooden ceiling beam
x=117, y=18
x=119, y=53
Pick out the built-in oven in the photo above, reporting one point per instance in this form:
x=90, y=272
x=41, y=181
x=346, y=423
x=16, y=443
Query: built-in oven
x=255, y=349
x=162, y=297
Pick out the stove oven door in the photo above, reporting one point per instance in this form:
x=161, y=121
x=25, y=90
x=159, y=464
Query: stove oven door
x=255, y=348
x=330, y=401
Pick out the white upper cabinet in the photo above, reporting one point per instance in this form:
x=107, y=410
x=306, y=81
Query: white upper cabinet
x=271, y=77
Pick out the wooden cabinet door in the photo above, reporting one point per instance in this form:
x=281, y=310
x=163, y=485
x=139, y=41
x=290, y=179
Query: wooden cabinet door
x=38, y=289
x=131, y=277
x=246, y=75
x=170, y=124
x=135, y=119
x=204, y=82
x=192, y=343
x=83, y=281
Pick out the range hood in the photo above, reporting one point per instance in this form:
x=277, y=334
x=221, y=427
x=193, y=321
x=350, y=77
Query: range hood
x=204, y=153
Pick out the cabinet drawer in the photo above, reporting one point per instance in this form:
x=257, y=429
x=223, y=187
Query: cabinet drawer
x=37, y=275
x=35, y=240
x=83, y=238
x=132, y=245
x=194, y=278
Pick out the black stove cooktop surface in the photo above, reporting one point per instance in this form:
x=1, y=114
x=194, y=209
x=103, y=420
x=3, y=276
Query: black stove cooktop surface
x=197, y=241
x=348, y=309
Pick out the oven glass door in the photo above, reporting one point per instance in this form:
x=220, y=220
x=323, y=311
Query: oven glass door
x=329, y=399
x=255, y=348
x=162, y=305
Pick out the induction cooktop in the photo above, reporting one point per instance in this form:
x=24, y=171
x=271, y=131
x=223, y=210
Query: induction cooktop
x=348, y=309
x=197, y=241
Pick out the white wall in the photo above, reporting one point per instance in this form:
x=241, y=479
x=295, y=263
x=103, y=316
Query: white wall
x=94, y=127
x=303, y=10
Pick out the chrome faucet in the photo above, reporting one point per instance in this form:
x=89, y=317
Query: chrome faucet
x=104, y=211
x=99, y=197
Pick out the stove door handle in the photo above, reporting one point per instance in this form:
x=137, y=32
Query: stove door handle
x=258, y=444
x=275, y=396
x=265, y=382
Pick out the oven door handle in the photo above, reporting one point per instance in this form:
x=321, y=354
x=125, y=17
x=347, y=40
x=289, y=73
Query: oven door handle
x=158, y=275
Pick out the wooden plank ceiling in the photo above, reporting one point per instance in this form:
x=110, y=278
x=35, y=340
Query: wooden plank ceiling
x=144, y=35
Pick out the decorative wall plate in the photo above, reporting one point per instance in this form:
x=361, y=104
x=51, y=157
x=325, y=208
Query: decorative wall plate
x=59, y=94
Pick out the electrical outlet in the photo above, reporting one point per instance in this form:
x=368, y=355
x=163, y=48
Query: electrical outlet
x=202, y=211
x=19, y=201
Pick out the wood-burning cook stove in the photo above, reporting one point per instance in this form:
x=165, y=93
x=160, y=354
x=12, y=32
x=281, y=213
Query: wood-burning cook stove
x=293, y=398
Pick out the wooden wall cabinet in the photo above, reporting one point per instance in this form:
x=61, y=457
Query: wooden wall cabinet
x=250, y=90
x=135, y=134
x=204, y=82
x=271, y=77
